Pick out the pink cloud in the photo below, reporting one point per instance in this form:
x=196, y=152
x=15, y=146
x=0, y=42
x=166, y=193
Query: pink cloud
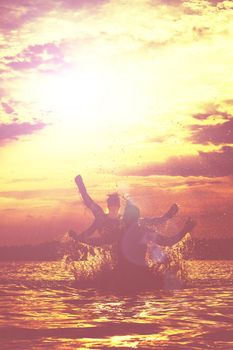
x=207, y=164
x=82, y=3
x=7, y=108
x=12, y=131
x=216, y=134
x=34, y=56
x=14, y=13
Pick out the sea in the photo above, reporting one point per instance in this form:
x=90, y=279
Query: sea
x=42, y=307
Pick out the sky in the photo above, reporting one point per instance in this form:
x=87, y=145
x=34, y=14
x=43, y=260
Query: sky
x=136, y=96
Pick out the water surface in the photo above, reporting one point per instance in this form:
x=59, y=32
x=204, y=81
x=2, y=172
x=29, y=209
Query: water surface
x=41, y=307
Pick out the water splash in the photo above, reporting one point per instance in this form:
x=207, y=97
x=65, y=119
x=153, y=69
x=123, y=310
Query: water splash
x=169, y=262
x=85, y=262
x=89, y=264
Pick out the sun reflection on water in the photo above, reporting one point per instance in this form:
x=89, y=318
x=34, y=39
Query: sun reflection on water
x=41, y=312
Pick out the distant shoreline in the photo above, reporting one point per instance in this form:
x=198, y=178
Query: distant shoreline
x=212, y=249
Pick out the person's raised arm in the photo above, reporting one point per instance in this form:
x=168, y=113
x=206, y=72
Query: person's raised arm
x=88, y=201
x=171, y=240
x=160, y=220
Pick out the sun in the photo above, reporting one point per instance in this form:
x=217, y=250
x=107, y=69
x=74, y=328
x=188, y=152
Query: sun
x=73, y=95
x=94, y=96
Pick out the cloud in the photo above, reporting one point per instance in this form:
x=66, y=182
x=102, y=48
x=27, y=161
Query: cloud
x=9, y=210
x=202, y=182
x=2, y=92
x=201, y=31
x=207, y=164
x=36, y=55
x=158, y=139
x=216, y=2
x=12, y=131
x=215, y=134
x=82, y=3
x=7, y=108
x=212, y=112
x=26, y=180
x=54, y=193
x=15, y=14
x=167, y=2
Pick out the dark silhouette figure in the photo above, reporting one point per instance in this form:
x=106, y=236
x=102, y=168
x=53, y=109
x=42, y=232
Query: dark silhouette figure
x=109, y=228
x=140, y=231
x=129, y=235
x=106, y=227
x=134, y=231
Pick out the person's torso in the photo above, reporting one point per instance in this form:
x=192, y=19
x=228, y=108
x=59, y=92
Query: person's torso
x=105, y=226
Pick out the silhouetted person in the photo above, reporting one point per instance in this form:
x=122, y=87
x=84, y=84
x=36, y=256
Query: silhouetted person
x=110, y=227
x=132, y=265
x=106, y=226
x=129, y=235
x=140, y=231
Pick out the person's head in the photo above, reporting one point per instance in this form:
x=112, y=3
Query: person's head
x=131, y=214
x=113, y=203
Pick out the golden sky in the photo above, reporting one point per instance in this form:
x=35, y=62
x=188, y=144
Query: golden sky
x=134, y=95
